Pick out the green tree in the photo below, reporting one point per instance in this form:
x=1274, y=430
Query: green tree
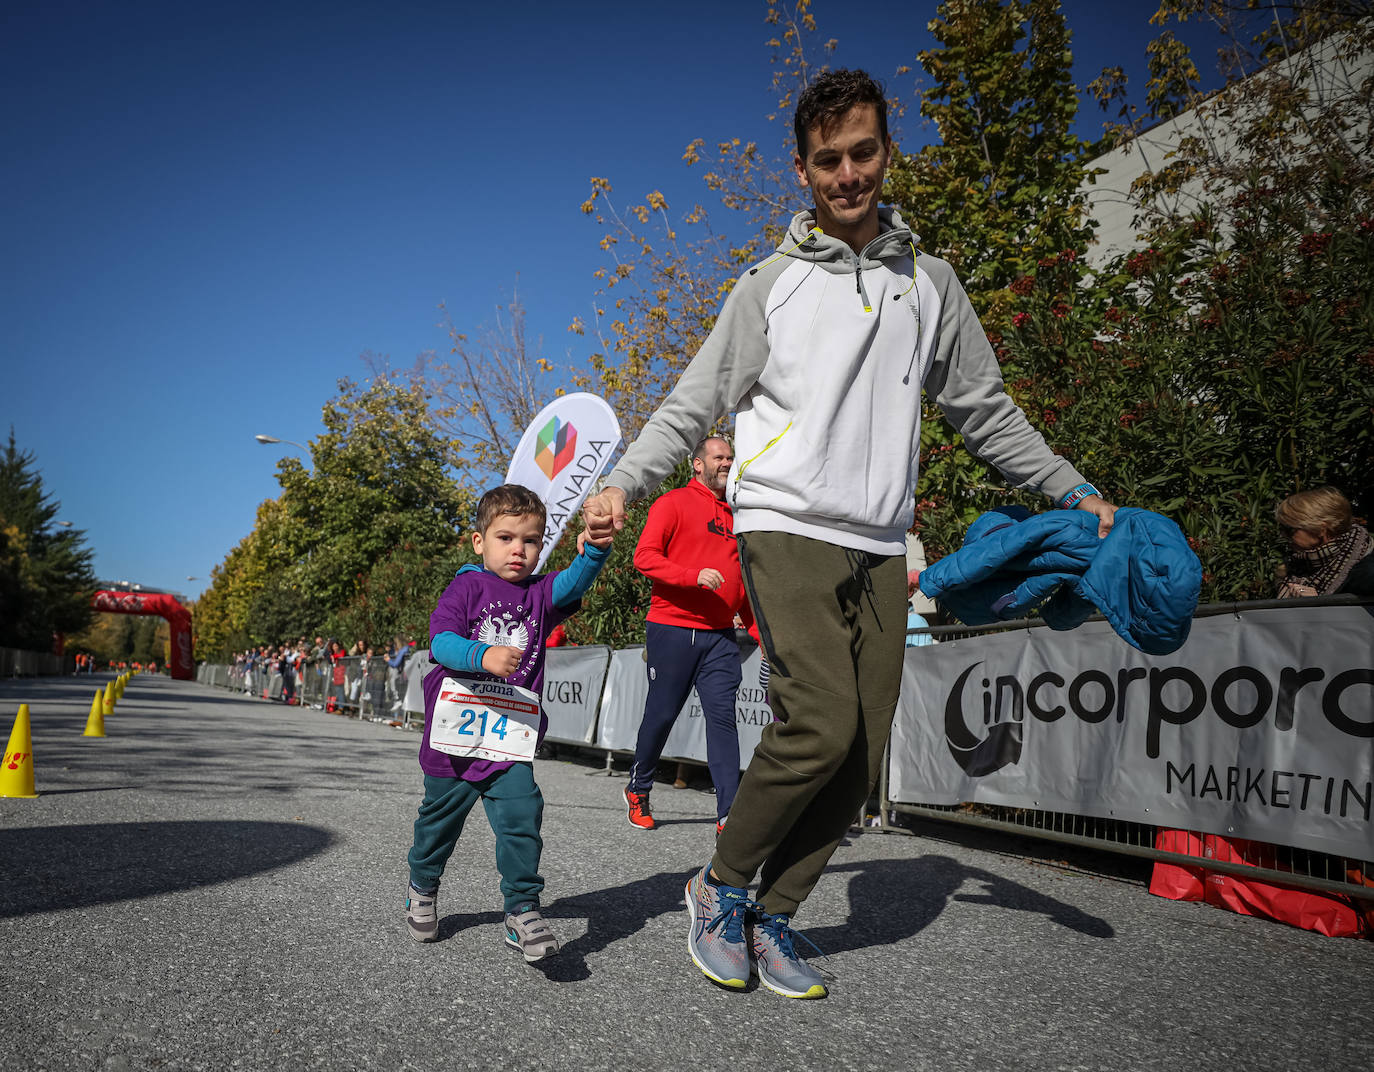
x=46, y=580
x=486, y=391
x=613, y=612
x=1001, y=189
x=400, y=592
x=999, y=194
x=668, y=270
x=1231, y=361
x=222, y=614
x=380, y=480
x=379, y=488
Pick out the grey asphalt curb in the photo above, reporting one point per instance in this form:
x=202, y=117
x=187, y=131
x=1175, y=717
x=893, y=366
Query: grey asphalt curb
x=218, y=883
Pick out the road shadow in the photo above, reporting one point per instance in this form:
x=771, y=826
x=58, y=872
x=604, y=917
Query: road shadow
x=611, y=914
x=52, y=868
x=889, y=901
x=892, y=900
x=85, y=789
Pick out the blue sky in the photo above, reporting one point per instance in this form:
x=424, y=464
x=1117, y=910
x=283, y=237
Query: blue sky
x=212, y=210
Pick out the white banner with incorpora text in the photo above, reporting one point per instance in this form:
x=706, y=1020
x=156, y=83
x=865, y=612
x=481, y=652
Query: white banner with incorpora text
x=573, y=678
x=1261, y=726
x=627, y=687
x=560, y=456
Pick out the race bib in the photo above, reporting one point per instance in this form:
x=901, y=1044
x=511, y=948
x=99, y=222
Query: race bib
x=485, y=720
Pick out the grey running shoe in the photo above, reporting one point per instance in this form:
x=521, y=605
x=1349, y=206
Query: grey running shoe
x=716, y=939
x=528, y=933
x=776, y=961
x=422, y=914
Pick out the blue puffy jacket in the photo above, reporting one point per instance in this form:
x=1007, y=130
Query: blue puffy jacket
x=1142, y=577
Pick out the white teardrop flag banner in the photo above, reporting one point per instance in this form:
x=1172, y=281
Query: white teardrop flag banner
x=560, y=456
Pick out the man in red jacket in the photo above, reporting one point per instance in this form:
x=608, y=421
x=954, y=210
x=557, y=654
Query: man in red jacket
x=688, y=550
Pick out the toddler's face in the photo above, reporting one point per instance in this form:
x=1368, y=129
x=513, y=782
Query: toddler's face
x=510, y=546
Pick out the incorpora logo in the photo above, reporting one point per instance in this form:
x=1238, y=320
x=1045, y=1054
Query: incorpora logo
x=557, y=446
x=1001, y=746
x=1240, y=697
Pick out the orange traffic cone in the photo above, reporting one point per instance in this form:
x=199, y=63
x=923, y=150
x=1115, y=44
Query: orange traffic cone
x=95, y=721
x=16, y=776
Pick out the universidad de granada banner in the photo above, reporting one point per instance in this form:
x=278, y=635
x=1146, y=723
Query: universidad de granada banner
x=560, y=456
x=1261, y=726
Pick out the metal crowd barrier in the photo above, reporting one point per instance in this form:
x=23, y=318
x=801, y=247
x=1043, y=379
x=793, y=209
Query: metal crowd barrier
x=362, y=692
x=1293, y=867
x=17, y=663
x=353, y=685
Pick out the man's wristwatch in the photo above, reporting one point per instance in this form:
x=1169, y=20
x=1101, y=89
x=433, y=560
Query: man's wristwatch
x=1073, y=498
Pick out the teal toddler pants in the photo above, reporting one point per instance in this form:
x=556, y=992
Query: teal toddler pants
x=515, y=809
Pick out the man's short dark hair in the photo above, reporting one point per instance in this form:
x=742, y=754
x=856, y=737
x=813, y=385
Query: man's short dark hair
x=832, y=95
x=514, y=499
x=699, y=451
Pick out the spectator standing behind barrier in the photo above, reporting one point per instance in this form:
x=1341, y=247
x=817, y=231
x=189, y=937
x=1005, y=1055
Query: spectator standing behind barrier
x=489, y=626
x=395, y=681
x=688, y=550
x=338, y=675
x=822, y=352
x=1328, y=553
x=287, y=667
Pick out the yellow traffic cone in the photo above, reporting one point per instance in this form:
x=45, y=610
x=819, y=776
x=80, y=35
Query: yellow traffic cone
x=16, y=776
x=95, y=721
x=108, y=702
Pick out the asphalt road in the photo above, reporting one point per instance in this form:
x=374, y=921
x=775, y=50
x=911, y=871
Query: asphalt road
x=218, y=884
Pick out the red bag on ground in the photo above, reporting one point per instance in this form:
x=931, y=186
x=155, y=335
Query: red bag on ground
x=1326, y=913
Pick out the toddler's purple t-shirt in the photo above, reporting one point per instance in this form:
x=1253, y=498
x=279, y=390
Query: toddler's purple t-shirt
x=479, y=605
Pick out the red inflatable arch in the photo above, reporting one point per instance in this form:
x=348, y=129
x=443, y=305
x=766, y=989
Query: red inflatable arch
x=183, y=667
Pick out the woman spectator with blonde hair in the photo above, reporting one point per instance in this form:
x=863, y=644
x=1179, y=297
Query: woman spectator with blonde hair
x=1328, y=553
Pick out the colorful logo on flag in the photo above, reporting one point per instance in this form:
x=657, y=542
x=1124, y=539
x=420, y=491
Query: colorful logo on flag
x=557, y=446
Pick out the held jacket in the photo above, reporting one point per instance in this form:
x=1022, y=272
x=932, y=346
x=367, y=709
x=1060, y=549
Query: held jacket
x=1142, y=576
x=822, y=354
x=688, y=530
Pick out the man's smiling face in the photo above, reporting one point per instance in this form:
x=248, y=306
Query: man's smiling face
x=844, y=168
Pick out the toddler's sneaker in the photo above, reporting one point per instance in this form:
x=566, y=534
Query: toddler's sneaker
x=422, y=914
x=528, y=933
x=716, y=940
x=637, y=805
x=776, y=961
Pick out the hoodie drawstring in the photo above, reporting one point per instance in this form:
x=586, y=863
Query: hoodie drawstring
x=859, y=572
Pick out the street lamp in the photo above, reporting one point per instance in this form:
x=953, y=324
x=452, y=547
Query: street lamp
x=264, y=439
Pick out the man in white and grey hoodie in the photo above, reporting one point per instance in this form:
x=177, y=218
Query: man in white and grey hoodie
x=821, y=351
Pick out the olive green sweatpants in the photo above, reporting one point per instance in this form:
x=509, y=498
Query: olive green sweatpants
x=833, y=625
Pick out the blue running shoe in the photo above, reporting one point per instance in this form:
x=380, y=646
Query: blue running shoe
x=776, y=961
x=716, y=939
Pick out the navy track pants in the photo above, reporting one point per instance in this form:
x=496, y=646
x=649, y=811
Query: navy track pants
x=680, y=657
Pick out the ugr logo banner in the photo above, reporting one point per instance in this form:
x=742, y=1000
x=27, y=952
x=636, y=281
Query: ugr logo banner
x=1261, y=726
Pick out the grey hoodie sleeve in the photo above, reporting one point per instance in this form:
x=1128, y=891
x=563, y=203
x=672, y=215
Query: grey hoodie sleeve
x=727, y=365
x=966, y=383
